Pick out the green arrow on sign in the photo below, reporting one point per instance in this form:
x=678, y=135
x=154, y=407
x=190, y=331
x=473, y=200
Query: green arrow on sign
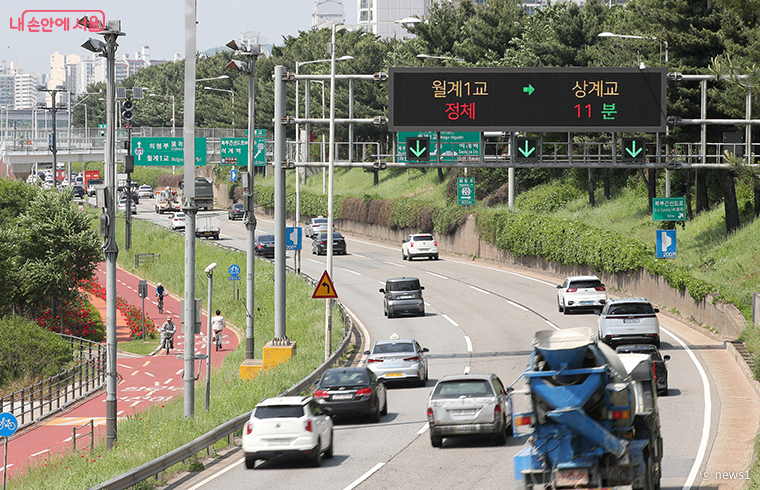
x=529, y=89
x=419, y=151
x=633, y=152
x=527, y=151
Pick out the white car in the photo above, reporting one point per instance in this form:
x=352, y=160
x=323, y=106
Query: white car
x=581, y=292
x=288, y=427
x=420, y=245
x=145, y=191
x=629, y=321
x=469, y=404
x=177, y=221
x=123, y=206
x=315, y=226
x=398, y=359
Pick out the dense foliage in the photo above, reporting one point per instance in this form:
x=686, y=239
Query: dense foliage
x=27, y=349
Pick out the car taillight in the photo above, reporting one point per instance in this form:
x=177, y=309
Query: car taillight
x=411, y=244
x=600, y=288
x=370, y=360
x=435, y=243
x=412, y=359
x=572, y=290
x=307, y=426
x=430, y=415
x=619, y=414
x=321, y=394
x=364, y=391
x=248, y=428
x=497, y=413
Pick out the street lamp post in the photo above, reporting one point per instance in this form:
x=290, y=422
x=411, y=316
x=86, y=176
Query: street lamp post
x=649, y=38
x=108, y=50
x=172, y=97
x=53, y=110
x=220, y=77
x=252, y=52
x=233, y=99
x=210, y=274
x=424, y=56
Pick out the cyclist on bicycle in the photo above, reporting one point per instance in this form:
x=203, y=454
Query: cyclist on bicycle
x=217, y=324
x=167, y=332
x=160, y=292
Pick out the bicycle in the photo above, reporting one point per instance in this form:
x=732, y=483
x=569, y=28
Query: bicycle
x=167, y=341
x=217, y=339
x=160, y=303
x=7, y=423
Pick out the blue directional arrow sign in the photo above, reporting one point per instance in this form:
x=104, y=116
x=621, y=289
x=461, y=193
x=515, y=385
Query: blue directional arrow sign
x=293, y=238
x=233, y=175
x=526, y=149
x=634, y=150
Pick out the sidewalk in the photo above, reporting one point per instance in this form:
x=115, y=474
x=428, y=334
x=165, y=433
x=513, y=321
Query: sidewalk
x=141, y=381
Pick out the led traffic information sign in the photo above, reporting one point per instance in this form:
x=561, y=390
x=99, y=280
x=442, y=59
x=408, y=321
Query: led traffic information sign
x=528, y=99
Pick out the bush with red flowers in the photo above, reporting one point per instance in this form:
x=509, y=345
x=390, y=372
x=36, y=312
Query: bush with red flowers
x=75, y=317
x=132, y=315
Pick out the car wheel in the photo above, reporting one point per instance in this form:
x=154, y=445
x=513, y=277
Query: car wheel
x=375, y=417
x=331, y=448
x=663, y=392
x=316, y=460
x=436, y=257
x=436, y=441
x=422, y=313
x=250, y=462
x=403, y=255
x=559, y=307
x=566, y=310
x=384, y=411
x=390, y=314
x=501, y=438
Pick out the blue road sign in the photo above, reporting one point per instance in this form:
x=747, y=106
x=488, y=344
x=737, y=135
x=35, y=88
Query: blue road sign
x=233, y=175
x=666, y=244
x=293, y=238
x=234, y=270
x=8, y=424
x=234, y=278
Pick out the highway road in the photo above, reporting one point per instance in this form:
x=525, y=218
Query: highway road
x=480, y=318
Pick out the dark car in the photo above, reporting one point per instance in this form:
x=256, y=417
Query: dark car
x=658, y=363
x=135, y=197
x=236, y=211
x=352, y=391
x=264, y=246
x=78, y=191
x=319, y=244
x=403, y=295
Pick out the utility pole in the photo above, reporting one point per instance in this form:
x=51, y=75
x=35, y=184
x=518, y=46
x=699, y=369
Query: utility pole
x=52, y=139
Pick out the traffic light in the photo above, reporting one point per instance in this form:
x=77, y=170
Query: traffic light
x=634, y=150
x=126, y=109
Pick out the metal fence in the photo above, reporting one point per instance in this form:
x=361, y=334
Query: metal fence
x=41, y=399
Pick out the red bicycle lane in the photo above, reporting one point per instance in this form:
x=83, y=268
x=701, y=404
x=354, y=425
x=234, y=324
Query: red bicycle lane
x=142, y=380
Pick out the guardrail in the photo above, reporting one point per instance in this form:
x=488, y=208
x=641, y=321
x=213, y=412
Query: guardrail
x=42, y=399
x=227, y=429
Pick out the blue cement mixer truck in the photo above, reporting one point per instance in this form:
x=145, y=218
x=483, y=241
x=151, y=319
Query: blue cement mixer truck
x=590, y=415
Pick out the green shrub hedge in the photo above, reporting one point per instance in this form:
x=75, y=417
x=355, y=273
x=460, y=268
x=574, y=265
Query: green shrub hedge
x=26, y=347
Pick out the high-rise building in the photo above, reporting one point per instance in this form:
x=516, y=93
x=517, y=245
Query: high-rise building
x=7, y=92
x=25, y=87
x=381, y=16
x=327, y=12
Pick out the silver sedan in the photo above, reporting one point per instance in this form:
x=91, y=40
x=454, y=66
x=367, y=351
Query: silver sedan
x=398, y=359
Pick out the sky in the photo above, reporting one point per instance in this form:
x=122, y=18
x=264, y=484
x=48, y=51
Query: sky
x=159, y=24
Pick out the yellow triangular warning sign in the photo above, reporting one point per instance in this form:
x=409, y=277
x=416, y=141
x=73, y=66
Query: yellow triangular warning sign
x=325, y=288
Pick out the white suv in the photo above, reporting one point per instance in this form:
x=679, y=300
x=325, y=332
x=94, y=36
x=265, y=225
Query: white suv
x=288, y=427
x=420, y=245
x=581, y=292
x=629, y=321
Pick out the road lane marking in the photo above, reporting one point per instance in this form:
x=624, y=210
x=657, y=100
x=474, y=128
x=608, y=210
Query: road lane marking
x=41, y=452
x=179, y=372
x=315, y=261
x=467, y=370
x=168, y=381
x=480, y=290
x=146, y=363
x=364, y=477
x=393, y=263
x=216, y=475
x=516, y=305
x=436, y=275
x=469, y=343
x=450, y=320
x=125, y=366
x=349, y=270
x=357, y=255
x=135, y=372
x=555, y=327
x=423, y=430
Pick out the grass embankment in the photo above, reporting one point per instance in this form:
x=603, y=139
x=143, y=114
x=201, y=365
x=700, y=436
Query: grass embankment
x=150, y=433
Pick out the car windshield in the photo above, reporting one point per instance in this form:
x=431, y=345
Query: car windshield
x=237, y=206
x=345, y=378
x=394, y=347
x=279, y=411
x=410, y=285
x=466, y=388
x=631, y=309
x=266, y=239
x=320, y=221
x=586, y=284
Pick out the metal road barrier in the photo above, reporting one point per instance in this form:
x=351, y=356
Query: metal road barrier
x=227, y=429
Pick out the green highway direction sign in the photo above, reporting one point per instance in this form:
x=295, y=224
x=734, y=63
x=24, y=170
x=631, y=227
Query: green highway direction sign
x=634, y=150
x=465, y=191
x=166, y=151
x=455, y=146
x=669, y=209
x=527, y=149
x=234, y=151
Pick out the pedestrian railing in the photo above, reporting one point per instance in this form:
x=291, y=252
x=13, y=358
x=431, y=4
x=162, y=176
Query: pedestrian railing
x=145, y=259
x=32, y=403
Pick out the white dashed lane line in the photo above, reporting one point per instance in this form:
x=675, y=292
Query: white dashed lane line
x=480, y=290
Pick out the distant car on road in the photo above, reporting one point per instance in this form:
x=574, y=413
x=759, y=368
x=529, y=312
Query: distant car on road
x=419, y=246
x=123, y=206
x=352, y=391
x=398, y=360
x=581, y=292
x=78, y=191
x=403, y=295
x=177, y=221
x=264, y=246
x=629, y=321
x=469, y=404
x=145, y=191
x=91, y=185
x=288, y=427
x=659, y=368
x=316, y=226
x=319, y=244
x=236, y=211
